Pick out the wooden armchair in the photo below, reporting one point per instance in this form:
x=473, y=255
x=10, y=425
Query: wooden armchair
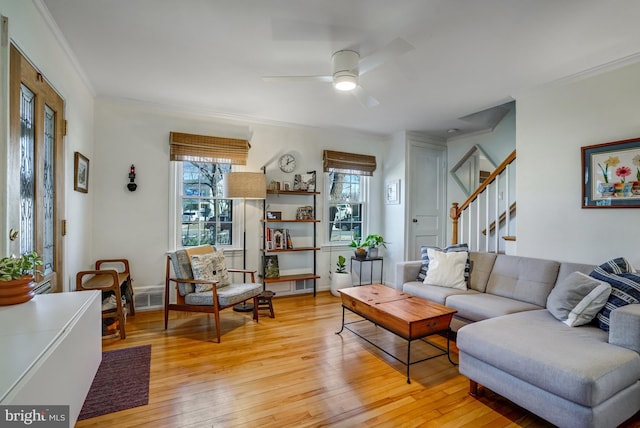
x=209, y=301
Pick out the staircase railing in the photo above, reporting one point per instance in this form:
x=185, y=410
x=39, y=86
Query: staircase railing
x=489, y=212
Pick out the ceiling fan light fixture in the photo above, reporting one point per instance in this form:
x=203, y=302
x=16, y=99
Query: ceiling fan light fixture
x=345, y=70
x=345, y=82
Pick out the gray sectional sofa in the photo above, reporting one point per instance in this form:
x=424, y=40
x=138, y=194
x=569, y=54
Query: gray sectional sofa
x=510, y=343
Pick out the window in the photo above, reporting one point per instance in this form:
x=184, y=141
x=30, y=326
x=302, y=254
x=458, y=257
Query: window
x=347, y=181
x=347, y=206
x=204, y=217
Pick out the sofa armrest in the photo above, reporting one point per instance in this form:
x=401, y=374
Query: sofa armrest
x=624, y=327
x=406, y=272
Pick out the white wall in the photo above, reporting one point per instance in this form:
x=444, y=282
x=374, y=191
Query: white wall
x=135, y=224
x=552, y=125
x=30, y=32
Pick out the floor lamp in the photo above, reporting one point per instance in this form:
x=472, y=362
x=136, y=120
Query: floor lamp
x=244, y=185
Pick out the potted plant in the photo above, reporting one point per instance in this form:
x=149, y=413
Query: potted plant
x=373, y=241
x=17, y=278
x=360, y=248
x=340, y=278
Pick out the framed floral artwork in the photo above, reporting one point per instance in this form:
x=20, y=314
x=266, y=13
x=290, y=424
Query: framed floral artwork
x=611, y=175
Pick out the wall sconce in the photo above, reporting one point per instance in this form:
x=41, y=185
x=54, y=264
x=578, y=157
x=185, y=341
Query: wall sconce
x=132, y=176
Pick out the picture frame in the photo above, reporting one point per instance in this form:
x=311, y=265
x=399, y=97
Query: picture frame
x=80, y=173
x=305, y=182
x=271, y=267
x=274, y=215
x=287, y=186
x=392, y=192
x=611, y=175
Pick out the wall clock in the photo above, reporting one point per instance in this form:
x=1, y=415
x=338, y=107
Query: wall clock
x=287, y=163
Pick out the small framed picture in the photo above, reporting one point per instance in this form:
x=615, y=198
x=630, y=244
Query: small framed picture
x=80, y=173
x=287, y=186
x=274, y=215
x=392, y=192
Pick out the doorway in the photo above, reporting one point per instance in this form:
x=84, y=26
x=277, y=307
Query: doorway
x=427, y=210
x=35, y=191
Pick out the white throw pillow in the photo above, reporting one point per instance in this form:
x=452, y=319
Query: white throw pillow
x=210, y=267
x=577, y=299
x=446, y=269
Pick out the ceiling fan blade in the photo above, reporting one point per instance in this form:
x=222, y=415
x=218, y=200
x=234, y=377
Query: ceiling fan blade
x=378, y=57
x=324, y=79
x=363, y=98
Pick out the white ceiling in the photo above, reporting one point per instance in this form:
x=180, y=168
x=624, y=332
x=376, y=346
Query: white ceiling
x=470, y=55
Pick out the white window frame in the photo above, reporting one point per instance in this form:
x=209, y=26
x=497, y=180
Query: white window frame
x=364, y=200
x=175, y=212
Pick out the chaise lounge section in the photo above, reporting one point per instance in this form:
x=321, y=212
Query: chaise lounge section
x=511, y=343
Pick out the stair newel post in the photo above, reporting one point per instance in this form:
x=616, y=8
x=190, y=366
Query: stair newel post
x=454, y=214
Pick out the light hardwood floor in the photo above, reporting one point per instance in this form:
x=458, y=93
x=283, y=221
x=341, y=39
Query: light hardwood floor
x=294, y=371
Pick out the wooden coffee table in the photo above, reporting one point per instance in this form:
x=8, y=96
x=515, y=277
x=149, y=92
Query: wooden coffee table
x=403, y=314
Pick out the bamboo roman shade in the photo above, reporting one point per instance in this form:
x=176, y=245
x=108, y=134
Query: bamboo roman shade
x=348, y=163
x=201, y=148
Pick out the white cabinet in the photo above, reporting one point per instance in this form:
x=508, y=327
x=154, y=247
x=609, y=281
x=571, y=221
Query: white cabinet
x=51, y=350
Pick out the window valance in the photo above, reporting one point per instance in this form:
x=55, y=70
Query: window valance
x=348, y=163
x=202, y=148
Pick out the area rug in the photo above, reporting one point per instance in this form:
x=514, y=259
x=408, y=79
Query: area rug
x=122, y=382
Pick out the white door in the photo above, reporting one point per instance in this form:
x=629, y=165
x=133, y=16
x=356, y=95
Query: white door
x=427, y=198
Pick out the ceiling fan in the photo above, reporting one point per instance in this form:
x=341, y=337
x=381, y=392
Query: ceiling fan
x=348, y=67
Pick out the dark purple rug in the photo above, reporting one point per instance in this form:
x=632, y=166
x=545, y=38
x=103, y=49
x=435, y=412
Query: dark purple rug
x=122, y=382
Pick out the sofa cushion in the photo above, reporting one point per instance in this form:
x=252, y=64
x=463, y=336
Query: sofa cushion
x=625, y=287
x=523, y=278
x=432, y=292
x=480, y=266
x=575, y=363
x=481, y=306
x=577, y=299
x=425, y=258
x=227, y=296
x=447, y=269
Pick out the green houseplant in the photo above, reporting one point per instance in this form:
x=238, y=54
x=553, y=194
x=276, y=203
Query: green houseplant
x=360, y=248
x=373, y=241
x=17, y=278
x=340, y=278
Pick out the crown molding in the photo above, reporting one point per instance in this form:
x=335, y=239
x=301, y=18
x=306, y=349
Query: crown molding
x=62, y=41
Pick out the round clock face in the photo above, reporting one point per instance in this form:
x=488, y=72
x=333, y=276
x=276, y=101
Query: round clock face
x=287, y=163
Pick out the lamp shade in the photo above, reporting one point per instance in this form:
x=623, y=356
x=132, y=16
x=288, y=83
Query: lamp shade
x=244, y=185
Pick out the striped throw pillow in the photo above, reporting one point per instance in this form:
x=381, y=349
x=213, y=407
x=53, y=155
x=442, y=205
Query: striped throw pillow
x=625, y=287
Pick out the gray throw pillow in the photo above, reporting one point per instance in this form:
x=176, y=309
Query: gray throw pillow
x=577, y=299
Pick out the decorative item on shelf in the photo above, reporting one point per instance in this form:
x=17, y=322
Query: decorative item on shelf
x=287, y=240
x=17, y=282
x=373, y=241
x=274, y=186
x=271, y=268
x=304, y=213
x=340, y=278
x=305, y=182
x=278, y=239
x=132, y=176
x=274, y=215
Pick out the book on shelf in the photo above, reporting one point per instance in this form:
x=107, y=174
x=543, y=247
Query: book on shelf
x=278, y=239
